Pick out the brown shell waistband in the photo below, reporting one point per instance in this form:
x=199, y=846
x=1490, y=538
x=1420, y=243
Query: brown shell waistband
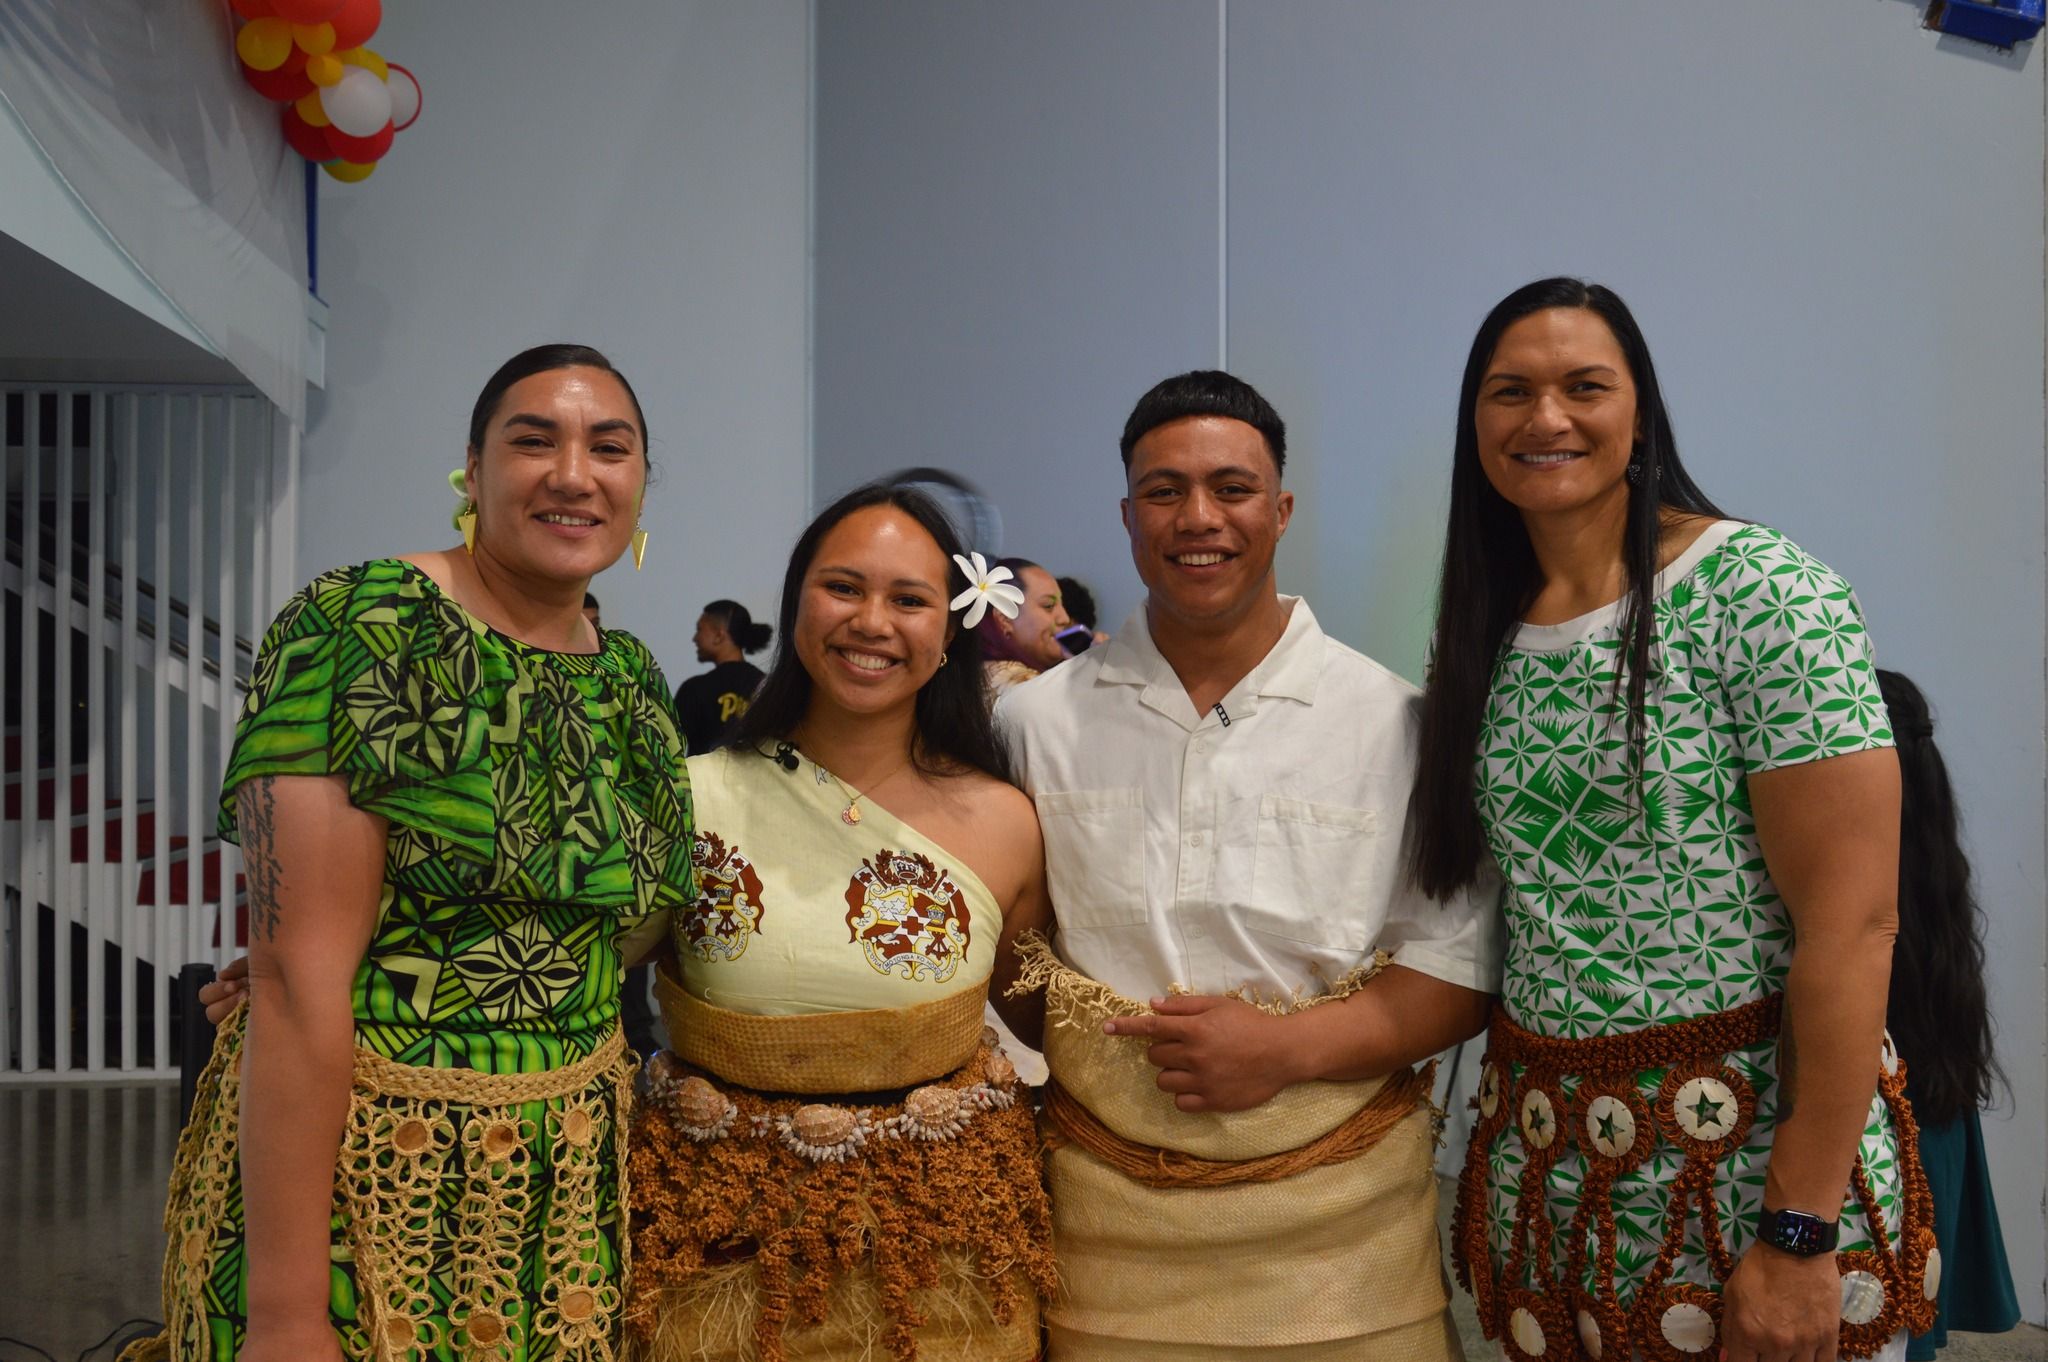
x=1073, y=1123
x=873, y=1050
x=1653, y=1047
x=829, y=1132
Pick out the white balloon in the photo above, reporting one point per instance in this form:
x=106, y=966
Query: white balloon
x=358, y=104
x=405, y=97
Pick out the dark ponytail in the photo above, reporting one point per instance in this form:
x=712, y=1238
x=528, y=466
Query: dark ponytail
x=1937, y=1012
x=739, y=625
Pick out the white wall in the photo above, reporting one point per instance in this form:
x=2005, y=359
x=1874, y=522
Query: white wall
x=636, y=181
x=1829, y=221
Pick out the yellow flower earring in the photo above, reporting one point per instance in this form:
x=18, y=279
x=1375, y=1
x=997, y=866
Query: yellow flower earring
x=639, y=534
x=465, y=509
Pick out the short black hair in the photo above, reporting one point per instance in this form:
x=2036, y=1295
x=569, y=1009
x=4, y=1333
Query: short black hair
x=1206, y=392
x=1079, y=600
x=590, y=602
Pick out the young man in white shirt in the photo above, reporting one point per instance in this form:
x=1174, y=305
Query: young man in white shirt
x=1223, y=791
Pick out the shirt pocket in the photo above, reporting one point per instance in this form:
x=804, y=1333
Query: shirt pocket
x=1094, y=856
x=1311, y=868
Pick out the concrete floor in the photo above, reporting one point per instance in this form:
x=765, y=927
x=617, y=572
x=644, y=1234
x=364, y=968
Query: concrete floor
x=82, y=1176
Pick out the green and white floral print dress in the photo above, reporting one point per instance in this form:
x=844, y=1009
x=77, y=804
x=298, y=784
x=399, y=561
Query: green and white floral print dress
x=1627, y=911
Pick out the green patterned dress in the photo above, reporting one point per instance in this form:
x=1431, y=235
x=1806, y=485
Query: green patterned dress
x=539, y=812
x=1625, y=913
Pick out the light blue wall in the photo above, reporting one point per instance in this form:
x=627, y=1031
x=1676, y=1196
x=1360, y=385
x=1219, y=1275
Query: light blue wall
x=1016, y=226
x=634, y=178
x=1829, y=221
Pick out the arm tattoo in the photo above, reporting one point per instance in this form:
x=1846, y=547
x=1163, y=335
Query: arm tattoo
x=257, y=805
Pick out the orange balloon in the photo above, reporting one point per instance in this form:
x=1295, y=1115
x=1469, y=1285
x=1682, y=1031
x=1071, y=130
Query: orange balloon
x=313, y=39
x=368, y=60
x=310, y=110
x=325, y=69
x=264, y=44
x=348, y=172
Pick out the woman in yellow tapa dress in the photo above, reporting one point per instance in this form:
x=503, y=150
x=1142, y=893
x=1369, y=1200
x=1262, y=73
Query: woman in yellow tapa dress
x=835, y=1160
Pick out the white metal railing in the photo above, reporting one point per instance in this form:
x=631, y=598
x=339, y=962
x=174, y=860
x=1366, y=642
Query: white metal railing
x=148, y=537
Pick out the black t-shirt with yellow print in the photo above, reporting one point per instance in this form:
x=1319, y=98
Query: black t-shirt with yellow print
x=710, y=704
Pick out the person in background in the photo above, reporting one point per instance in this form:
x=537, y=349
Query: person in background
x=1939, y=1020
x=1663, y=727
x=1019, y=649
x=710, y=704
x=456, y=801
x=1084, y=633
x=592, y=611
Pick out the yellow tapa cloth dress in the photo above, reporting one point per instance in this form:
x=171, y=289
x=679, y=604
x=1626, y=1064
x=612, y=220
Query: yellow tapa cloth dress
x=834, y=1161
x=1303, y=1230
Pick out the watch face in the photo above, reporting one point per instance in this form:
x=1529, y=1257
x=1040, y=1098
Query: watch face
x=1797, y=1232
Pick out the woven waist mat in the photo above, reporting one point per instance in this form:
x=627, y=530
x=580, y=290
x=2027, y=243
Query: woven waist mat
x=1113, y=1079
x=389, y=1078
x=1653, y=1047
x=871, y=1050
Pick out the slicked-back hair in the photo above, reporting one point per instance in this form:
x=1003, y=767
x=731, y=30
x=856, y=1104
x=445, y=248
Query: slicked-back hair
x=954, y=729
x=1206, y=392
x=1490, y=577
x=740, y=626
x=1937, y=1011
x=543, y=359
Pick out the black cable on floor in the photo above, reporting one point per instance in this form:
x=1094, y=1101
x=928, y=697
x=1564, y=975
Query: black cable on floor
x=149, y=1326
x=30, y=1347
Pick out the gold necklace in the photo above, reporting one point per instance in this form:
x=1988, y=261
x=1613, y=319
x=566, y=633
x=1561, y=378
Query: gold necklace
x=850, y=815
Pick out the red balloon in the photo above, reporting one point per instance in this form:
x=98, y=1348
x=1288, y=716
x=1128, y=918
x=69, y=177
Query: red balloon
x=282, y=85
x=307, y=140
x=306, y=11
x=254, y=9
x=354, y=22
x=362, y=151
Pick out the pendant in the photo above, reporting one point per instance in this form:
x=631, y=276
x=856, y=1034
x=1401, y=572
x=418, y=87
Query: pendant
x=850, y=815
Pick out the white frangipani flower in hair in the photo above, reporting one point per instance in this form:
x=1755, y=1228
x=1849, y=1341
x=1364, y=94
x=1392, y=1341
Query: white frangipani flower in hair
x=986, y=587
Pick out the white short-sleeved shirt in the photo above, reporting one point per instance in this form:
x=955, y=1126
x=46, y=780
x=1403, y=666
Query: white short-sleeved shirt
x=1256, y=846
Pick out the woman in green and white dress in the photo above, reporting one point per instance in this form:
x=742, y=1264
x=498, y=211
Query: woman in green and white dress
x=1664, y=726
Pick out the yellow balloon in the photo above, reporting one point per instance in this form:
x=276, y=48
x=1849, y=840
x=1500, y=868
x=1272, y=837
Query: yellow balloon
x=309, y=109
x=264, y=44
x=368, y=60
x=313, y=39
x=325, y=69
x=348, y=172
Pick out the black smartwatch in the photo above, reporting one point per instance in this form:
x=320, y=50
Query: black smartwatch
x=1797, y=1232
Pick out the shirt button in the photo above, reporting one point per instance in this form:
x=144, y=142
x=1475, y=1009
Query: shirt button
x=1194, y=839
x=1201, y=746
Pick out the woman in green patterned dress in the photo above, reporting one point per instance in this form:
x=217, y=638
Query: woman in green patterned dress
x=455, y=797
x=1665, y=728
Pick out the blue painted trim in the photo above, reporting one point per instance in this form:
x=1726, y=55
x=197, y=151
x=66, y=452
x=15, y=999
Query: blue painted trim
x=312, y=229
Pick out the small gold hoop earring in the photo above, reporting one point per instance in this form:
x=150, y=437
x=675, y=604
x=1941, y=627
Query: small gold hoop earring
x=942, y=659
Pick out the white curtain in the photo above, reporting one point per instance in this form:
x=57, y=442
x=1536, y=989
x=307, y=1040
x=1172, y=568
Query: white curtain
x=140, y=110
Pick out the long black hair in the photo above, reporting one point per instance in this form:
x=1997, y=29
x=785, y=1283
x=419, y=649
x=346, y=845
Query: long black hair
x=954, y=728
x=739, y=625
x=1490, y=576
x=1937, y=1013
